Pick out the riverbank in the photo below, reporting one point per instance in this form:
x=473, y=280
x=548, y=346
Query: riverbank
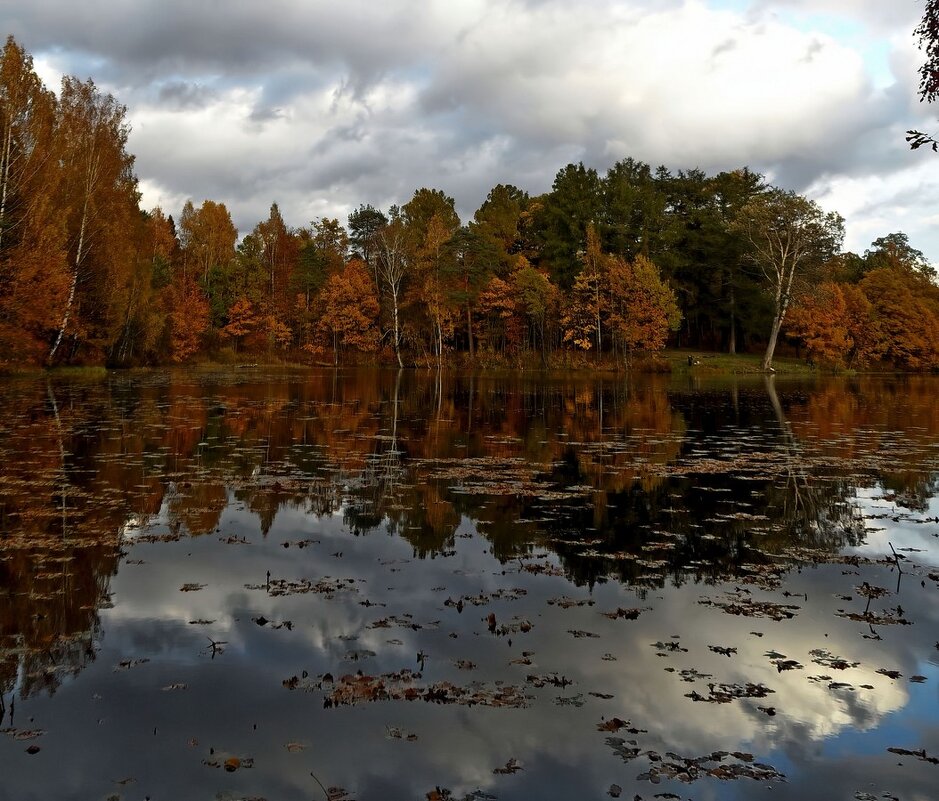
x=675, y=361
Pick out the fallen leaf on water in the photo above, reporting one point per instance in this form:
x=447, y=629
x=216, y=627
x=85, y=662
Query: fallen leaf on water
x=725, y=693
x=127, y=664
x=612, y=725
x=622, y=614
x=552, y=679
x=512, y=766
x=890, y=674
x=580, y=634
x=919, y=753
x=722, y=650
x=23, y=734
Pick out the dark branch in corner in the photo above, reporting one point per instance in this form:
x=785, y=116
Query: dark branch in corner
x=918, y=139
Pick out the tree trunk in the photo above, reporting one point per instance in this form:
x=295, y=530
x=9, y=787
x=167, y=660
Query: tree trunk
x=71, y=292
x=544, y=344
x=91, y=179
x=732, y=347
x=7, y=146
x=469, y=328
x=771, y=345
x=439, y=346
x=394, y=299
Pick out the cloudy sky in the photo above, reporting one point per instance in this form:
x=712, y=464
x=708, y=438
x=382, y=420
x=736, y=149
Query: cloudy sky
x=322, y=106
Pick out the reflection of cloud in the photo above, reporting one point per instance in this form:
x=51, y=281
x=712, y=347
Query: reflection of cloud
x=558, y=745
x=901, y=529
x=237, y=703
x=655, y=699
x=644, y=691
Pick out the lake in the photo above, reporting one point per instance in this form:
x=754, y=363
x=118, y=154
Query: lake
x=372, y=584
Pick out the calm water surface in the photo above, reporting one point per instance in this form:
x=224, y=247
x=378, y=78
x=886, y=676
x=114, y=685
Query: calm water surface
x=380, y=585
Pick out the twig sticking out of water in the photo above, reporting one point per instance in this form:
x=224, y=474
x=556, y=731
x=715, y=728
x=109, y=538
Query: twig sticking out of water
x=325, y=791
x=896, y=556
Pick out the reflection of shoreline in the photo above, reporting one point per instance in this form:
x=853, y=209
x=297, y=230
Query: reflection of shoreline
x=650, y=506
x=530, y=460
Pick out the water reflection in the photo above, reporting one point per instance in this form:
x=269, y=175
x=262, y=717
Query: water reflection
x=398, y=510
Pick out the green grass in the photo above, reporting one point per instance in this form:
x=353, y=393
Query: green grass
x=706, y=363
x=79, y=372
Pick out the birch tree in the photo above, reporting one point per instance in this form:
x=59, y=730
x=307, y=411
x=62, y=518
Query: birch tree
x=393, y=263
x=788, y=235
x=99, y=188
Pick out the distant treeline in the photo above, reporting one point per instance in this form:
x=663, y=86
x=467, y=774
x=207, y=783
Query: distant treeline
x=610, y=265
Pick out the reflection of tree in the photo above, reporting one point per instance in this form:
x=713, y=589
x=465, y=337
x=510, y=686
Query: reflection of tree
x=389, y=493
x=815, y=510
x=378, y=488
x=56, y=552
x=641, y=481
x=883, y=428
x=735, y=496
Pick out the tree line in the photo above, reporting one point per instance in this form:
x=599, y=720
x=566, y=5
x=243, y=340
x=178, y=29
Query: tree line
x=602, y=266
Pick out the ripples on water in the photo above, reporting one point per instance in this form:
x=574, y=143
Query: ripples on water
x=381, y=585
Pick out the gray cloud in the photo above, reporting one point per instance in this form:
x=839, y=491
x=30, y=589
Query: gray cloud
x=323, y=107
x=182, y=95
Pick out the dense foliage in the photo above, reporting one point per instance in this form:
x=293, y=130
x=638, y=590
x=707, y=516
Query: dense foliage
x=601, y=267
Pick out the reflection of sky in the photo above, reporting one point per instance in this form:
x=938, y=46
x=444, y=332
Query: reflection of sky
x=110, y=724
x=814, y=728
x=889, y=523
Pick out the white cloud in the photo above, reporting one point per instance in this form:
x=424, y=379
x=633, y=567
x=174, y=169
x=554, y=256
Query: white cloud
x=323, y=107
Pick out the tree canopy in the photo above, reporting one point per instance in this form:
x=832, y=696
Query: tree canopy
x=608, y=265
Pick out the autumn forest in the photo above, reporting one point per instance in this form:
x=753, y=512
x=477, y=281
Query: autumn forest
x=603, y=267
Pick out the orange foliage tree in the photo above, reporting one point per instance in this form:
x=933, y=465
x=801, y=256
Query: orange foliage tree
x=207, y=238
x=643, y=308
x=583, y=320
x=242, y=321
x=836, y=325
x=497, y=308
x=907, y=309
x=820, y=322
x=537, y=301
x=99, y=206
x=867, y=335
x=628, y=299
x=349, y=316
x=188, y=320
x=33, y=269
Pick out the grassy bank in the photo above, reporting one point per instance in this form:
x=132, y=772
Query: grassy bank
x=706, y=363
